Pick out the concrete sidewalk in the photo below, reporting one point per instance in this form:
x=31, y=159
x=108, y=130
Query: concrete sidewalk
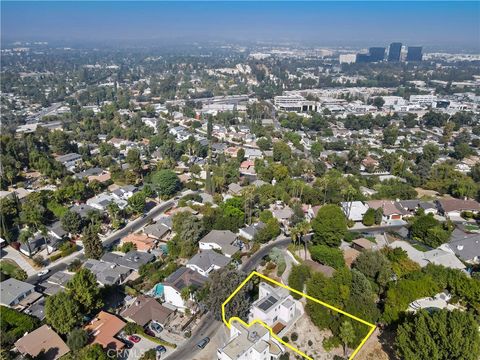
x=10, y=253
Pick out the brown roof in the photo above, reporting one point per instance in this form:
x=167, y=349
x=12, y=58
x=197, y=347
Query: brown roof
x=146, y=309
x=459, y=205
x=43, y=338
x=389, y=207
x=350, y=255
x=326, y=270
x=142, y=241
x=363, y=243
x=103, y=329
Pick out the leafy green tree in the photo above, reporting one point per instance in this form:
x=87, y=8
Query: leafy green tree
x=390, y=135
x=269, y=232
x=378, y=102
x=84, y=289
x=440, y=335
x=375, y=266
x=430, y=153
x=264, y=144
x=165, y=182
x=77, y=339
x=72, y=222
x=403, y=292
x=328, y=256
x=462, y=150
x=222, y=284
x=133, y=160
x=62, y=312
x=378, y=216
x=347, y=335
x=137, y=202
x=92, y=243
x=369, y=217
x=93, y=352
x=298, y=277
x=281, y=152
x=329, y=226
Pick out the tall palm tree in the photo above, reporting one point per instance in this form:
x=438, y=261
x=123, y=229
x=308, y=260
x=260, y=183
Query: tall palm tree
x=24, y=238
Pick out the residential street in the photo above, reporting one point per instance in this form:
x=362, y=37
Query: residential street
x=133, y=226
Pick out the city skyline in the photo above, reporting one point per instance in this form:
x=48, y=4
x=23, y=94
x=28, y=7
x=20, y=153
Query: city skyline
x=433, y=25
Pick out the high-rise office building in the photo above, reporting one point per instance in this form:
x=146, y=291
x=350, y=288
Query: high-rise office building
x=394, y=51
x=376, y=54
x=363, y=58
x=414, y=53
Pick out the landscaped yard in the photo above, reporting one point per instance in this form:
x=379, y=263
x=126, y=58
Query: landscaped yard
x=10, y=268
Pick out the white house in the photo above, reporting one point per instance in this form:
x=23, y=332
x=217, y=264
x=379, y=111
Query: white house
x=207, y=261
x=12, y=291
x=70, y=161
x=274, y=305
x=250, y=343
x=101, y=201
x=223, y=240
x=354, y=210
x=176, y=282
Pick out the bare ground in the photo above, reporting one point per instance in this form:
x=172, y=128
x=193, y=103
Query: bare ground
x=306, y=331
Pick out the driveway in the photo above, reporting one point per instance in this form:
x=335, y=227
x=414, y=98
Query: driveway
x=10, y=253
x=141, y=347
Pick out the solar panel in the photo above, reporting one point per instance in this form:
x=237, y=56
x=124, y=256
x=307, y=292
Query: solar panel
x=267, y=303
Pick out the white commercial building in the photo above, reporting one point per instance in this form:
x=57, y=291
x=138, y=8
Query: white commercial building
x=347, y=58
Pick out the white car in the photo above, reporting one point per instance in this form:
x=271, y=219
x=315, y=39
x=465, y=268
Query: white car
x=43, y=272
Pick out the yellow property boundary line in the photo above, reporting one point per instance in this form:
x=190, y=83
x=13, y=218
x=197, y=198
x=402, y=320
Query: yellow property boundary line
x=252, y=274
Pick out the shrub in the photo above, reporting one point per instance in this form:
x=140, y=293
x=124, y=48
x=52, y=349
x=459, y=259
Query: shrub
x=132, y=328
x=285, y=338
x=55, y=257
x=331, y=343
x=369, y=217
x=297, y=278
x=294, y=336
x=270, y=266
x=38, y=260
x=281, y=268
x=310, y=343
x=328, y=256
x=74, y=265
x=14, y=325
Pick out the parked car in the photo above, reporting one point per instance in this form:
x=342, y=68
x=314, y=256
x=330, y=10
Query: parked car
x=43, y=272
x=161, y=349
x=149, y=332
x=128, y=344
x=156, y=327
x=202, y=343
x=134, y=338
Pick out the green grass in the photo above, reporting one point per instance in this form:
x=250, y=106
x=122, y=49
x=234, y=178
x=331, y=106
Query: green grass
x=57, y=209
x=11, y=269
x=470, y=227
x=420, y=247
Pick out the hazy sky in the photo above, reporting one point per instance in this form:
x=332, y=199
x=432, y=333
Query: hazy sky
x=322, y=23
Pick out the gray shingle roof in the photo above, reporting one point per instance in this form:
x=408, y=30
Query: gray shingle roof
x=205, y=259
x=11, y=288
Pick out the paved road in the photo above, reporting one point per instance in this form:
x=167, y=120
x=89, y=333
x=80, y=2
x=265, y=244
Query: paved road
x=107, y=241
x=255, y=259
x=208, y=326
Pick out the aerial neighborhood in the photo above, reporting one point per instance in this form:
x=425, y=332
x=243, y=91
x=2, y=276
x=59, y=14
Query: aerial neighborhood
x=140, y=189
